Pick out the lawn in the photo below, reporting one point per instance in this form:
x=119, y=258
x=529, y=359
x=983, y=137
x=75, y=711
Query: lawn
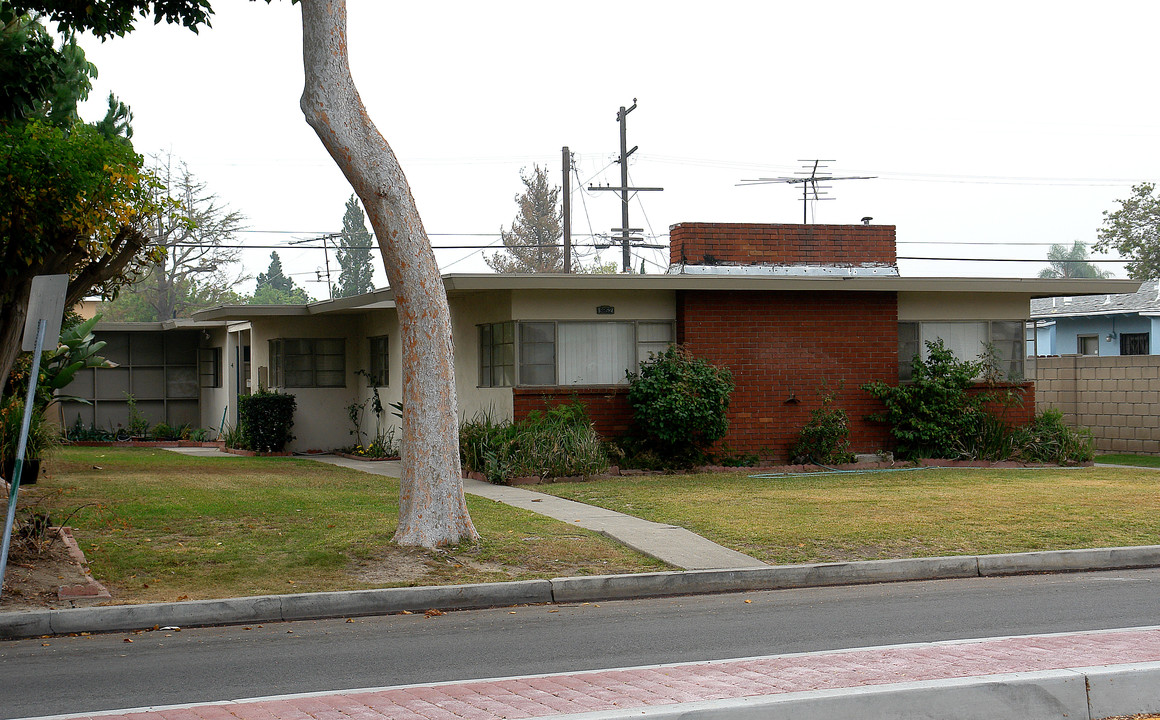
x=1151, y=461
x=823, y=518
x=159, y=526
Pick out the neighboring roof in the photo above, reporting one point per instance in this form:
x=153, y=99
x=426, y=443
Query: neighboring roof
x=457, y=284
x=1145, y=301
x=175, y=324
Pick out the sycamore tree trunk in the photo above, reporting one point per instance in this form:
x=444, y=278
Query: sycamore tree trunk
x=432, y=510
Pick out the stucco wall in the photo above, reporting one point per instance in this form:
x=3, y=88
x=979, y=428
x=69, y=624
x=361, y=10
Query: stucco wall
x=914, y=306
x=320, y=421
x=1117, y=397
x=467, y=312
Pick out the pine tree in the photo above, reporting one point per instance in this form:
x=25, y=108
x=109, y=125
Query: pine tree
x=274, y=288
x=274, y=276
x=533, y=244
x=354, y=255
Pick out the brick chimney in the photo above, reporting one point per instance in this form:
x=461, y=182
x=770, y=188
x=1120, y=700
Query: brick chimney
x=767, y=244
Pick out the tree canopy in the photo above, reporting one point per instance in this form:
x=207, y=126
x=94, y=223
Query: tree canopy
x=275, y=288
x=533, y=244
x=354, y=255
x=106, y=18
x=196, y=231
x=1134, y=232
x=1071, y=262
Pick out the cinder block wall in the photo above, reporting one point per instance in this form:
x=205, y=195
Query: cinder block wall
x=1118, y=398
x=753, y=243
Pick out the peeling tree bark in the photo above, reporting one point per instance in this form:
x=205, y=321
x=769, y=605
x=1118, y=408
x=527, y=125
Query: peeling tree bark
x=432, y=510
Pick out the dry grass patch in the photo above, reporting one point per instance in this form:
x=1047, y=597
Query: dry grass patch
x=159, y=526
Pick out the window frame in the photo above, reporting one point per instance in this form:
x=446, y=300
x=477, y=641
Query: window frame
x=211, y=356
x=521, y=368
x=1079, y=345
x=379, y=360
x=1025, y=364
x=487, y=346
x=279, y=362
x=1126, y=339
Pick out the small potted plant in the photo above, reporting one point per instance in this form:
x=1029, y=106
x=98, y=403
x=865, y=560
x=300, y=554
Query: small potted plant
x=42, y=439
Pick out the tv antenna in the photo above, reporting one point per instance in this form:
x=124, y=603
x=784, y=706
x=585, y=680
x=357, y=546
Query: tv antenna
x=812, y=178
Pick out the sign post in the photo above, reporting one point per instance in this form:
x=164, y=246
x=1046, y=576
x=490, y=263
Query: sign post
x=45, y=310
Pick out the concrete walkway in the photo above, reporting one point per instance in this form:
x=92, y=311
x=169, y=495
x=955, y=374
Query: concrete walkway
x=668, y=543
x=1072, y=675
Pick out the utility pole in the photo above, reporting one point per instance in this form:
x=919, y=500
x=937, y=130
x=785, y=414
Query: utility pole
x=624, y=230
x=567, y=210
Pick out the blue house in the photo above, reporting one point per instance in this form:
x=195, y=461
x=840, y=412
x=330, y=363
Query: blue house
x=1124, y=324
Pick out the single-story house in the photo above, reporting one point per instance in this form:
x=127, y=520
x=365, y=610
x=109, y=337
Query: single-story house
x=794, y=310
x=1112, y=324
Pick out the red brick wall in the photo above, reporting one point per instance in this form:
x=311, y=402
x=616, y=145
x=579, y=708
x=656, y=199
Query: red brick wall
x=784, y=348
x=608, y=407
x=1016, y=414
x=750, y=243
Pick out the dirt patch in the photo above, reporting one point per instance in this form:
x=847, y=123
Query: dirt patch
x=412, y=566
x=35, y=573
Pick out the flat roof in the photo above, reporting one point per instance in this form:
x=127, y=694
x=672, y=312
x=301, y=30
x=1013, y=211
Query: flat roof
x=460, y=284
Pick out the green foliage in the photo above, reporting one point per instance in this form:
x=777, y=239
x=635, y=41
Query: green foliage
x=825, y=439
x=557, y=442
x=354, y=256
x=933, y=415
x=107, y=18
x=1047, y=439
x=680, y=403
x=43, y=437
x=77, y=350
x=533, y=244
x=1134, y=232
x=37, y=78
x=265, y=420
x=274, y=288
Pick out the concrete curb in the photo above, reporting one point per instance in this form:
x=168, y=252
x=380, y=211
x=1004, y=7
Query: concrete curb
x=1046, y=695
x=304, y=606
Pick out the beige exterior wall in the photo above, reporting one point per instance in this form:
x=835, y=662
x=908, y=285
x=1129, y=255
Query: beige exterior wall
x=468, y=311
x=320, y=421
x=962, y=306
x=581, y=305
x=1118, y=398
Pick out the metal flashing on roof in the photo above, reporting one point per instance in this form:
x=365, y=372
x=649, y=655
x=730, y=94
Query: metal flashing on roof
x=881, y=270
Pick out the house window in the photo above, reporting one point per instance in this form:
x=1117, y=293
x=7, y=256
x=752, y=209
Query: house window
x=968, y=341
x=574, y=353
x=209, y=367
x=497, y=355
x=537, y=353
x=1133, y=343
x=380, y=368
x=1087, y=344
x=308, y=362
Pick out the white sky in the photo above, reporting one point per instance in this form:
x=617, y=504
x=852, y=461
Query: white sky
x=988, y=122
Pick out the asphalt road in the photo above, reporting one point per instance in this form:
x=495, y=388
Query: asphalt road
x=104, y=672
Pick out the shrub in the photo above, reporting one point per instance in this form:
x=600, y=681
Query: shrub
x=825, y=439
x=934, y=415
x=162, y=431
x=556, y=442
x=265, y=419
x=679, y=403
x=1047, y=439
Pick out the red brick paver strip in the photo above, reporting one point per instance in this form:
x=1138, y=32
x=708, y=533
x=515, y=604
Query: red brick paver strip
x=566, y=693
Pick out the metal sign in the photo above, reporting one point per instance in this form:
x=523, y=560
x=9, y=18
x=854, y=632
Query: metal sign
x=46, y=301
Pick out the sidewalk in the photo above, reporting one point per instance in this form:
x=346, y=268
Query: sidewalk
x=669, y=543
x=1073, y=675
